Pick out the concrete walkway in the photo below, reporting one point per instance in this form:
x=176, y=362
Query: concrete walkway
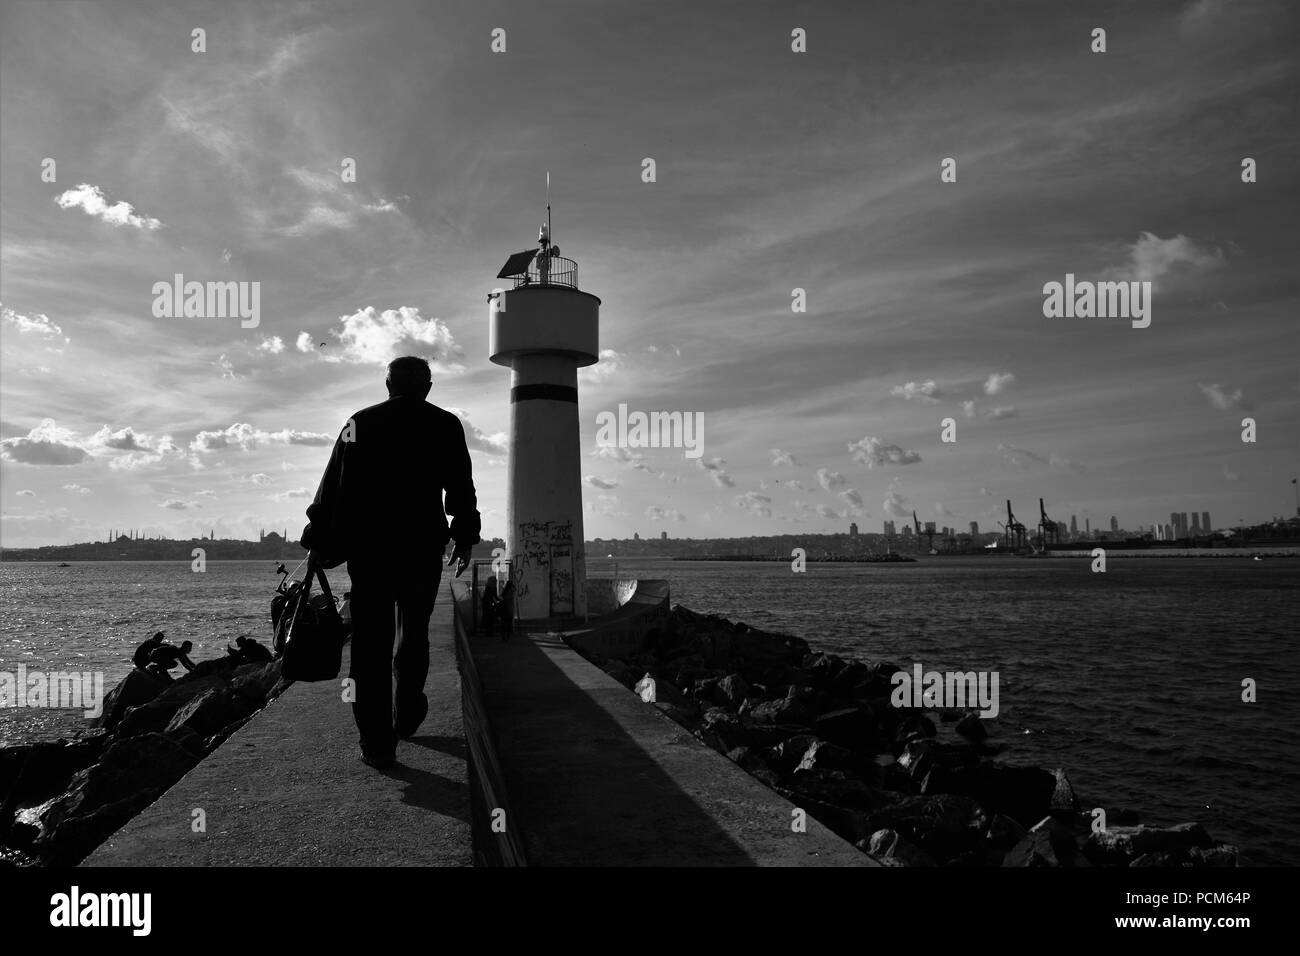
x=596, y=777
x=289, y=789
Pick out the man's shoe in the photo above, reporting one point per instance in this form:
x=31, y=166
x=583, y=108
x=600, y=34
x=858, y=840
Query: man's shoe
x=409, y=723
x=378, y=761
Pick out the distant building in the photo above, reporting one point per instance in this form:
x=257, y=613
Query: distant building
x=974, y=529
x=663, y=535
x=1196, y=523
x=1087, y=527
x=1074, y=526
x=1206, y=527
x=636, y=535
x=890, y=529
x=1184, y=527
x=1114, y=523
x=907, y=530
x=853, y=529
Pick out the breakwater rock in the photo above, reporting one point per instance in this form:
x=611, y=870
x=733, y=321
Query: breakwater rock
x=821, y=730
x=60, y=800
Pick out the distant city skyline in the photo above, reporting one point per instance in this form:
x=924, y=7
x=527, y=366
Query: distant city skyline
x=777, y=173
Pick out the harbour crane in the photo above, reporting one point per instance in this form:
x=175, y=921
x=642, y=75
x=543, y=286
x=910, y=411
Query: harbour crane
x=1047, y=529
x=1015, y=530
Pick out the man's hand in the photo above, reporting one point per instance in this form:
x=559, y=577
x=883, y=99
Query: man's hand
x=315, y=560
x=460, y=557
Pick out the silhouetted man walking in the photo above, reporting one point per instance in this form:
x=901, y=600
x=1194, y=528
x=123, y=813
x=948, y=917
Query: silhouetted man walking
x=380, y=508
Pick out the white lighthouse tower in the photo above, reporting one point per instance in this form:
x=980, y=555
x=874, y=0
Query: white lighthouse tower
x=544, y=329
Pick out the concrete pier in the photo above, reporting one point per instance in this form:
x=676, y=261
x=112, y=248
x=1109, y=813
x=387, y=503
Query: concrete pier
x=597, y=777
x=530, y=755
x=289, y=788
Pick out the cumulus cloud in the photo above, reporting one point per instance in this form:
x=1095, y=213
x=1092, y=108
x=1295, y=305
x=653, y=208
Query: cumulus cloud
x=46, y=444
x=826, y=511
x=305, y=343
x=260, y=478
x=797, y=485
x=927, y=392
x=1002, y=411
x=1221, y=399
x=872, y=451
x=624, y=456
x=293, y=493
x=177, y=504
x=77, y=489
x=997, y=382
x=370, y=337
x=755, y=503
x=25, y=493
x=595, y=481
x=830, y=479
x=498, y=443
x=656, y=513
x=968, y=408
x=1152, y=258
x=610, y=364
x=853, y=499
x=37, y=324
x=895, y=505
x=245, y=437
x=274, y=345
x=124, y=439
x=780, y=457
x=716, y=472
x=1019, y=456
x=90, y=200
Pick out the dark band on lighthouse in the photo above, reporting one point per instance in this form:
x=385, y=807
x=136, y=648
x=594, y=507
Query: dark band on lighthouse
x=554, y=393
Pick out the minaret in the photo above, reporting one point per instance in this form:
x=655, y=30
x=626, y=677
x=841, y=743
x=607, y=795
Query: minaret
x=544, y=330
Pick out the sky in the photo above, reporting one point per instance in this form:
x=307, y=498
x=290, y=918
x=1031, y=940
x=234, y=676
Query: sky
x=774, y=171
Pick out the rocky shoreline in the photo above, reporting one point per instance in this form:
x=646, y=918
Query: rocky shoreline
x=61, y=800
x=821, y=730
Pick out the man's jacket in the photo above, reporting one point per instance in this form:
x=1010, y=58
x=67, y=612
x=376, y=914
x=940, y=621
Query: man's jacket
x=381, y=495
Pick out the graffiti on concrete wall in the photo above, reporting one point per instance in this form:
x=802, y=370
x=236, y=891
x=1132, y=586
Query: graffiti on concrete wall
x=537, y=541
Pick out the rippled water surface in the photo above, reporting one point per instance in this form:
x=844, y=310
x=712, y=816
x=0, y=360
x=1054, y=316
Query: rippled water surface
x=1131, y=680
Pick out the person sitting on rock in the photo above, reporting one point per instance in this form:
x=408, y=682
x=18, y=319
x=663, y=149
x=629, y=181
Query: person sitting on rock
x=154, y=669
x=141, y=656
x=168, y=656
x=250, y=651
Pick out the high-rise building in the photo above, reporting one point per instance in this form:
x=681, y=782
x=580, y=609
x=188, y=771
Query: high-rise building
x=853, y=529
x=889, y=529
x=1206, y=527
x=907, y=530
x=663, y=535
x=1169, y=532
x=974, y=529
x=1060, y=529
x=1182, y=520
x=1196, y=523
x=1087, y=527
x=1114, y=523
x=1074, y=525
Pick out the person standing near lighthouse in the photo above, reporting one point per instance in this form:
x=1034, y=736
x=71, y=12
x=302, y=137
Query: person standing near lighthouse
x=380, y=507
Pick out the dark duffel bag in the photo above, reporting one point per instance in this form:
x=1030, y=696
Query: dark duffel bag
x=310, y=633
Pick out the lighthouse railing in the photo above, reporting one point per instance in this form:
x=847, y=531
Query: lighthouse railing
x=549, y=271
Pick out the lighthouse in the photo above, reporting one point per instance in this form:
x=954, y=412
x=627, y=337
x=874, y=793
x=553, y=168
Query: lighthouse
x=544, y=329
